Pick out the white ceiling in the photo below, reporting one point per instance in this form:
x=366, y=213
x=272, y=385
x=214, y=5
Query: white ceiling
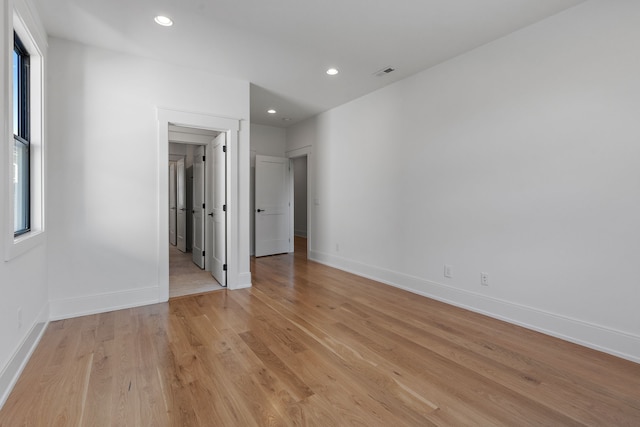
x=283, y=47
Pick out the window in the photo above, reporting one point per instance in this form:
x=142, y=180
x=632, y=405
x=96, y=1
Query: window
x=21, y=138
x=24, y=191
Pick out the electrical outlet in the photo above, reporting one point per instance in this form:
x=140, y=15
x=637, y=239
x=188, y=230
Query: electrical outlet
x=19, y=317
x=448, y=271
x=484, y=279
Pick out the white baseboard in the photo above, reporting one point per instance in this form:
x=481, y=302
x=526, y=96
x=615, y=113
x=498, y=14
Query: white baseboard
x=10, y=374
x=617, y=343
x=101, y=303
x=244, y=281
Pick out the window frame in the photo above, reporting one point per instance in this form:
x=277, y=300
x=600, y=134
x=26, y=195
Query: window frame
x=23, y=128
x=27, y=25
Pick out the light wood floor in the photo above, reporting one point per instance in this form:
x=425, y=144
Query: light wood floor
x=186, y=278
x=310, y=345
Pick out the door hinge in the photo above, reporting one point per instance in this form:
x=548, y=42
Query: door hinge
x=224, y=267
x=204, y=158
x=203, y=206
x=224, y=208
x=224, y=148
x=202, y=253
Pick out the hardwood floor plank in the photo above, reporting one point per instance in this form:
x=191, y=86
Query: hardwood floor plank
x=296, y=388
x=393, y=397
x=101, y=385
x=308, y=345
x=524, y=379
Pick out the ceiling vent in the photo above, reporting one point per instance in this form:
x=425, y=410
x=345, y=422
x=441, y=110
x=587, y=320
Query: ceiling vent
x=384, y=71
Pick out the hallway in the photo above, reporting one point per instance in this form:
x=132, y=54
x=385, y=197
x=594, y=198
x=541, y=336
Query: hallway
x=186, y=278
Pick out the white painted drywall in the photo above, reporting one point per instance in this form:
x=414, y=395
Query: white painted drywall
x=104, y=170
x=265, y=141
x=300, y=196
x=519, y=159
x=23, y=279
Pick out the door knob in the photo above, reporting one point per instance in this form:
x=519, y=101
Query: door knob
x=211, y=214
x=183, y=209
x=261, y=210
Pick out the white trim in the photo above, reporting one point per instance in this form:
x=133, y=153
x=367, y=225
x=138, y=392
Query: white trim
x=22, y=244
x=203, y=121
x=244, y=281
x=12, y=371
x=26, y=24
x=68, y=308
x=597, y=337
x=290, y=182
x=299, y=152
x=29, y=16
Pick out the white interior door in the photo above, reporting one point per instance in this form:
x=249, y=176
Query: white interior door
x=217, y=214
x=272, y=204
x=198, y=210
x=181, y=206
x=172, y=203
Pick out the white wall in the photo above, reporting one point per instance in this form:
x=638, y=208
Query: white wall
x=104, y=170
x=265, y=141
x=519, y=159
x=23, y=280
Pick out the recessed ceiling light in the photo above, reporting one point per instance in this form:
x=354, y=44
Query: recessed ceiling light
x=271, y=111
x=332, y=71
x=163, y=20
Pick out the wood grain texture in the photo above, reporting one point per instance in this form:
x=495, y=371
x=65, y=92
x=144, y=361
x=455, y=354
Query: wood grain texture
x=311, y=345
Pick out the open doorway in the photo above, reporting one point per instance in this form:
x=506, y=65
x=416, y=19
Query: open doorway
x=300, y=204
x=236, y=182
x=194, y=189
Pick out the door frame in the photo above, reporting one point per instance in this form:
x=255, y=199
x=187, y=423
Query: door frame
x=312, y=202
x=235, y=278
